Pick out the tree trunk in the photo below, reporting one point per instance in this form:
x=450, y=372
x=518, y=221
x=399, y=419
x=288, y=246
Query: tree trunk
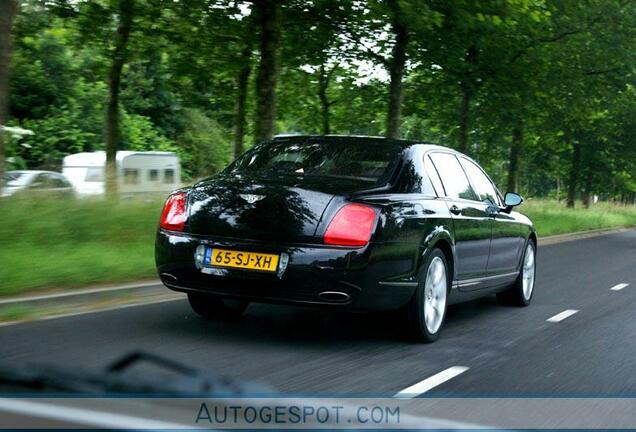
x=268, y=14
x=574, y=175
x=323, y=85
x=112, y=136
x=240, y=112
x=587, y=193
x=468, y=85
x=464, y=118
x=516, y=149
x=7, y=12
x=397, y=65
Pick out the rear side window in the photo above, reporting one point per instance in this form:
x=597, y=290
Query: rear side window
x=453, y=177
x=413, y=179
x=432, y=174
x=482, y=184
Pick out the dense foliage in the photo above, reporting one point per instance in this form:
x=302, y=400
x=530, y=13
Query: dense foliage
x=541, y=92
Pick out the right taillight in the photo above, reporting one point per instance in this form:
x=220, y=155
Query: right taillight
x=173, y=216
x=351, y=226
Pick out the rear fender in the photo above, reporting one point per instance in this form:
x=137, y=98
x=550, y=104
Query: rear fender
x=440, y=236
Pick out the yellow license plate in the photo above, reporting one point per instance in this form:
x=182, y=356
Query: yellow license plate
x=242, y=260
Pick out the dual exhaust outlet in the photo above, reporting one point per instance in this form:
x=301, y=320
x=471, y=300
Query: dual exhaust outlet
x=334, y=296
x=327, y=296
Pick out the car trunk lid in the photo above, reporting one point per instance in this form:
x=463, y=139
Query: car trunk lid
x=278, y=209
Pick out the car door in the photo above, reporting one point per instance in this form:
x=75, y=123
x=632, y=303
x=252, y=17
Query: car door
x=471, y=221
x=506, y=232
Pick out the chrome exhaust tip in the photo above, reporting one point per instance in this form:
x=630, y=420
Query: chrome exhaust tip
x=168, y=277
x=334, y=296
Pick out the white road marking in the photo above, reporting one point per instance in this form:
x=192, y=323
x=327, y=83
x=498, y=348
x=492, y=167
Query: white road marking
x=80, y=416
x=430, y=382
x=563, y=315
x=619, y=286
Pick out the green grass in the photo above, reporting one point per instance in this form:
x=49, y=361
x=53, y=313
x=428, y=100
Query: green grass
x=65, y=244
x=16, y=313
x=551, y=217
x=48, y=243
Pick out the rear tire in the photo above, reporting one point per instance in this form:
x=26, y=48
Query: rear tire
x=521, y=292
x=210, y=307
x=427, y=309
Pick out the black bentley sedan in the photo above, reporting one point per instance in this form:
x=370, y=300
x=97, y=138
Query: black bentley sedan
x=347, y=222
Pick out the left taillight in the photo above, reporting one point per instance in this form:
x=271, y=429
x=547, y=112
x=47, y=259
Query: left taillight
x=173, y=216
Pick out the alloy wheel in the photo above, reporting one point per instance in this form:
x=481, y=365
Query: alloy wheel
x=435, y=295
x=528, y=272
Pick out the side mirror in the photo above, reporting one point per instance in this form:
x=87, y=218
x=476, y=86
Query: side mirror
x=512, y=200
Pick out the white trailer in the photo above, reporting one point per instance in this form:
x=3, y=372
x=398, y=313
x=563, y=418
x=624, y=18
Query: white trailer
x=137, y=172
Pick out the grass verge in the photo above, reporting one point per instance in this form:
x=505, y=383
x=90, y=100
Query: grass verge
x=552, y=217
x=51, y=243
x=64, y=244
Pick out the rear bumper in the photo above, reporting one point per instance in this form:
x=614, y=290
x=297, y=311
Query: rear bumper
x=311, y=277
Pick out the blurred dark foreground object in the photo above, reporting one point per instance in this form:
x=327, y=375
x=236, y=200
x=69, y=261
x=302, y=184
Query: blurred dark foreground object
x=174, y=397
x=152, y=374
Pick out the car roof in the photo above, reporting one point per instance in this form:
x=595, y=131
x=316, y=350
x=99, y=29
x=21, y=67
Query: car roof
x=365, y=139
x=345, y=138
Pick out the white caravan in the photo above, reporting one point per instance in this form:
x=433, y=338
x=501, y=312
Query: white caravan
x=138, y=172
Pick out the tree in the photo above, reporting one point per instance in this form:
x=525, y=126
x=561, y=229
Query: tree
x=590, y=86
x=315, y=53
x=244, y=70
x=396, y=66
x=539, y=92
x=268, y=15
x=475, y=44
x=211, y=55
x=369, y=36
x=7, y=12
x=112, y=134
x=240, y=110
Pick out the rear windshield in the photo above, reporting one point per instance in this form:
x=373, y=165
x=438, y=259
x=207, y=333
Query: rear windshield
x=372, y=163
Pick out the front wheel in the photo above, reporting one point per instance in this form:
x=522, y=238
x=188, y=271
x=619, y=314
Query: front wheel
x=427, y=309
x=521, y=292
x=210, y=307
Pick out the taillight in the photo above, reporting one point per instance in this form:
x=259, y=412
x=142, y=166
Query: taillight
x=173, y=216
x=352, y=226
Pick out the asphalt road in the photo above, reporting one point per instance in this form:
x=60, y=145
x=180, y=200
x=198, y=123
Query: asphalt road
x=506, y=350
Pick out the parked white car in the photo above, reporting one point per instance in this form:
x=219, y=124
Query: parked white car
x=35, y=182
x=138, y=172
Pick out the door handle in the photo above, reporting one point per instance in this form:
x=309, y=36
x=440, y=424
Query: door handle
x=455, y=210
